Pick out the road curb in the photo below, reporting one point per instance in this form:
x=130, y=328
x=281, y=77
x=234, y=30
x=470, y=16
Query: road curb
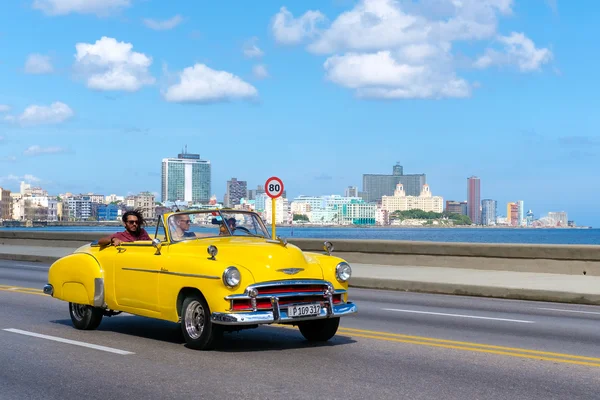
x=475, y=290
x=420, y=287
x=28, y=257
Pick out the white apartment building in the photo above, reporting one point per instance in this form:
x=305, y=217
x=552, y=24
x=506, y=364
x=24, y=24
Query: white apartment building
x=401, y=202
x=558, y=218
x=113, y=198
x=357, y=213
x=35, y=208
x=282, y=211
x=382, y=217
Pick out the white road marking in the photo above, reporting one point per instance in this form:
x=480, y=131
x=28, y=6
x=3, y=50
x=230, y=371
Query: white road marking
x=68, y=341
x=573, y=311
x=459, y=315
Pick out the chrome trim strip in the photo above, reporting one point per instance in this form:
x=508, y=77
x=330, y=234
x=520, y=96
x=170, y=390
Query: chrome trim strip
x=171, y=273
x=48, y=289
x=268, y=317
x=291, y=282
x=152, y=271
x=281, y=295
x=99, y=292
x=189, y=275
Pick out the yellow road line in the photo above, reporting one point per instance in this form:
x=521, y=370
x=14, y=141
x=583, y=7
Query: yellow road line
x=466, y=346
x=17, y=289
x=469, y=344
x=481, y=350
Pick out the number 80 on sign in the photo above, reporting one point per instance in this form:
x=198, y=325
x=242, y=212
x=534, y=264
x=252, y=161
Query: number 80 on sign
x=274, y=187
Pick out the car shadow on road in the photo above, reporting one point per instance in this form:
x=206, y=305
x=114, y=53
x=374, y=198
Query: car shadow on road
x=264, y=338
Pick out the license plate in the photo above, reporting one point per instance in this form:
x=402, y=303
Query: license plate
x=307, y=310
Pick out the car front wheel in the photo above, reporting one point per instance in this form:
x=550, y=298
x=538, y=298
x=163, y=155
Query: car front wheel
x=198, y=330
x=85, y=317
x=320, y=330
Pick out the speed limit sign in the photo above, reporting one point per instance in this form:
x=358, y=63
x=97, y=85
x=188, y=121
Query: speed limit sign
x=274, y=187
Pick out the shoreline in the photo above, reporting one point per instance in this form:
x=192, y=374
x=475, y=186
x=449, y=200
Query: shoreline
x=88, y=224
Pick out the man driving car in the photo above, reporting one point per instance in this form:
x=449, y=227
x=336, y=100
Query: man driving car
x=133, y=221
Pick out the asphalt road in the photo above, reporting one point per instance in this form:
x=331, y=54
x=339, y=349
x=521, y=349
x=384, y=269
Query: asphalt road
x=399, y=346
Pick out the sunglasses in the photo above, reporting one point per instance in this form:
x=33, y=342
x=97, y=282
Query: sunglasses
x=135, y=221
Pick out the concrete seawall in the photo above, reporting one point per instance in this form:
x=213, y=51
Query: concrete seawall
x=555, y=259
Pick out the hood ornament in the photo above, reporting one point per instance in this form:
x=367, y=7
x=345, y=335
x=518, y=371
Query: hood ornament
x=290, y=271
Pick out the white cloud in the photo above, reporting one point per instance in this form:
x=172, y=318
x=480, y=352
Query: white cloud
x=519, y=50
x=260, y=71
x=56, y=113
x=4, y=108
x=387, y=76
x=251, y=49
x=28, y=178
x=8, y=159
x=404, y=49
x=290, y=30
x=111, y=65
x=38, y=150
x=38, y=64
x=163, y=25
x=63, y=7
x=202, y=84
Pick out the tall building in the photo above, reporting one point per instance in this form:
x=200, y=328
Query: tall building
x=489, y=211
x=375, y=186
x=236, y=190
x=512, y=214
x=5, y=204
x=351, y=191
x=186, y=178
x=521, y=212
x=474, y=199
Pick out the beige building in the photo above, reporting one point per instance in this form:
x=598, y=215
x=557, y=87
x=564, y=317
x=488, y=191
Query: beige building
x=300, y=208
x=145, y=203
x=401, y=202
x=5, y=204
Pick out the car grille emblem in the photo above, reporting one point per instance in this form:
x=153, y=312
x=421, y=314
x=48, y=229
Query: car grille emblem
x=291, y=271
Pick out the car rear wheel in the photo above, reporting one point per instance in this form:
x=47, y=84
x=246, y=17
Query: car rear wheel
x=320, y=330
x=85, y=317
x=198, y=330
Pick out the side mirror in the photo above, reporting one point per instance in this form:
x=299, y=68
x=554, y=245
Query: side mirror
x=328, y=247
x=157, y=245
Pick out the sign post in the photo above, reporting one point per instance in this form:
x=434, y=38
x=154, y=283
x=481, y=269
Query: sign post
x=273, y=189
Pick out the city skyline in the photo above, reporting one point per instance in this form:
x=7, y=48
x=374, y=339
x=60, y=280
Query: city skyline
x=287, y=104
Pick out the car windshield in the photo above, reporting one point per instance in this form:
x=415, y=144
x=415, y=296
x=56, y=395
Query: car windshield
x=200, y=224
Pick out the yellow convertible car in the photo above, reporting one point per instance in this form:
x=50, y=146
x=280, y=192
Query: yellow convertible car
x=211, y=271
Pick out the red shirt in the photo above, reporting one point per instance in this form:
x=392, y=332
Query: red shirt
x=126, y=236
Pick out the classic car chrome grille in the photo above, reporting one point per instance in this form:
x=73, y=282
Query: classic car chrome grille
x=286, y=292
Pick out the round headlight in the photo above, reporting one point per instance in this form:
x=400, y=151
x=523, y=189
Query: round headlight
x=231, y=277
x=343, y=272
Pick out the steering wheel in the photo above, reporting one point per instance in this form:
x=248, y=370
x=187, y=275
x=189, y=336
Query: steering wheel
x=243, y=228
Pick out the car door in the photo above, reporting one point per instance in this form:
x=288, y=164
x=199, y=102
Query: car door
x=137, y=266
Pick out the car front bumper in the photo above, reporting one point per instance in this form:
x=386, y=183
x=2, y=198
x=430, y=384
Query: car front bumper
x=278, y=315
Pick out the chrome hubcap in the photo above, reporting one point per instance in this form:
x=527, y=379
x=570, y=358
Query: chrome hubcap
x=79, y=311
x=194, y=319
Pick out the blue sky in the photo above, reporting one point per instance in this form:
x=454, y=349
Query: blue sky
x=94, y=94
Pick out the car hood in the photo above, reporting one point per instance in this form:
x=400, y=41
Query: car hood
x=266, y=261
